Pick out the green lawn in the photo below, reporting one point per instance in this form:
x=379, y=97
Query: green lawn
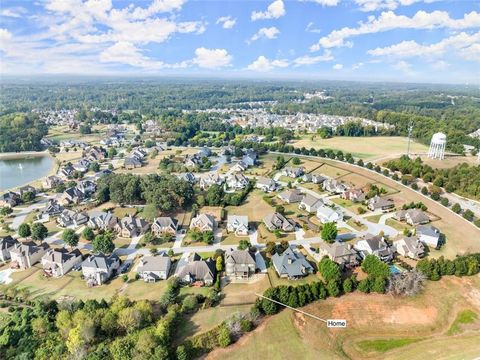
x=463, y=318
x=374, y=218
x=384, y=345
x=359, y=227
x=277, y=281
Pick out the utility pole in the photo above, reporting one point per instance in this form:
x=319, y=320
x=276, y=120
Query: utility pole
x=410, y=129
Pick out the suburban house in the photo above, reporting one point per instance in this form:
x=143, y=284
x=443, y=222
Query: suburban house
x=72, y=195
x=9, y=199
x=291, y=264
x=293, y=172
x=102, y=220
x=95, y=154
x=204, y=152
x=153, y=268
x=410, y=247
x=250, y=158
x=429, y=235
x=354, y=195
x=210, y=179
x=374, y=245
x=25, y=189
x=276, y=221
x=239, y=264
x=334, y=186
x=66, y=171
x=87, y=187
x=6, y=244
x=266, y=184
x=58, y=262
x=51, y=209
x=102, y=173
x=412, y=217
x=197, y=271
x=380, y=203
x=192, y=161
x=97, y=269
x=237, y=224
x=318, y=179
x=341, y=253
x=132, y=163
x=203, y=222
x=52, y=181
x=130, y=226
x=291, y=196
x=69, y=218
x=237, y=181
x=188, y=177
x=82, y=165
x=310, y=203
x=164, y=225
x=326, y=214
x=25, y=255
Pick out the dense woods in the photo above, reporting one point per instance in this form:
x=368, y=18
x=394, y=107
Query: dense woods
x=21, y=132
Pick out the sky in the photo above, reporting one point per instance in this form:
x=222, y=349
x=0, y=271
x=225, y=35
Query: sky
x=373, y=40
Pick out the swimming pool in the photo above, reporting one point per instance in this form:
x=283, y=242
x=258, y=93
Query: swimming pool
x=394, y=269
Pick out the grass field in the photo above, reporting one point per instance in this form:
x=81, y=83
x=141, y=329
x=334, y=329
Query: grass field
x=384, y=345
x=362, y=147
x=464, y=317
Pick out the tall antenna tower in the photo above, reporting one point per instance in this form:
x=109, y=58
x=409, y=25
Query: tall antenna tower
x=410, y=129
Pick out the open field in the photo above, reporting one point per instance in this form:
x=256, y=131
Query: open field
x=379, y=327
x=264, y=235
x=330, y=171
x=367, y=148
x=244, y=293
x=254, y=207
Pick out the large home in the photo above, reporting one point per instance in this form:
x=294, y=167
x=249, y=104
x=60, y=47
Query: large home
x=237, y=224
x=192, y=161
x=239, y=264
x=310, y=203
x=188, y=177
x=374, y=245
x=69, y=218
x=412, y=217
x=52, y=209
x=132, y=163
x=95, y=154
x=354, y=195
x=410, y=246
x=211, y=179
x=82, y=165
x=238, y=167
x=52, y=181
x=291, y=264
x=326, y=214
x=341, y=253
x=25, y=255
x=204, y=152
x=131, y=226
x=6, y=244
x=164, y=225
x=380, y=203
x=58, y=262
x=276, y=221
x=97, y=269
x=318, y=179
x=266, y=184
x=291, y=196
x=153, y=268
x=26, y=189
x=9, y=199
x=429, y=235
x=237, y=181
x=87, y=187
x=250, y=158
x=102, y=220
x=72, y=195
x=66, y=171
x=196, y=271
x=203, y=222
x=293, y=172
x=334, y=186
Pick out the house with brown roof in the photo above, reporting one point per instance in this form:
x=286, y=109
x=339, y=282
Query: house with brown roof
x=239, y=264
x=410, y=246
x=196, y=271
x=276, y=221
x=131, y=226
x=25, y=255
x=380, y=203
x=412, y=217
x=341, y=253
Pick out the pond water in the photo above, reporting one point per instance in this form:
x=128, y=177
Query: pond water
x=17, y=172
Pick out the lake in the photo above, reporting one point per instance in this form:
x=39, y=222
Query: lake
x=17, y=172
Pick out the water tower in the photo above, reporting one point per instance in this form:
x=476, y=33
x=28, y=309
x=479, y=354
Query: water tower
x=437, y=146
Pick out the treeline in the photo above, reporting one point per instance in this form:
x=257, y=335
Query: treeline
x=434, y=269
x=21, y=132
x=166, y=192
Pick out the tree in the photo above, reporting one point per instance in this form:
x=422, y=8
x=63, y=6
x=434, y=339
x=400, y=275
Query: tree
x=296, y=161
x=39, y=232
x=469, y=215
x=219, y=264
x=329, y=232
x=224, y=338
x=88, y=234
x=70, y=238
x=103, y=243
x=94, y=166
x=24, y=230
x=28, y=196
x=348, y=285
x=243, y=244
x=182, y=353
x=456, y=208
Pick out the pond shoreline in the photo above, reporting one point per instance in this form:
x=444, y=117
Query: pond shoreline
x=23, y=155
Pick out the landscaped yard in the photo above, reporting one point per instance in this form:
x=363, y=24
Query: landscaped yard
x=277, y=280
x=264, y=235
x=355, y=225
x=232, y=239
x=374, y=218
x=121, y=212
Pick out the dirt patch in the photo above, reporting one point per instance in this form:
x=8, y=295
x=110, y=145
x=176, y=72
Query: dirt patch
x=411, y=315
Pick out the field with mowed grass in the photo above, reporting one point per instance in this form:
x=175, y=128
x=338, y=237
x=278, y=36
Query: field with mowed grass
x=378, y=327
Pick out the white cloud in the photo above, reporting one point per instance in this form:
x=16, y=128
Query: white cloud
x=265, y=33
x=14, y=12
x=263, y=64
x=390, y=21
x=375, y=5
x=357, y=65
x=337, y=67
x=275, y=10
x=440, y=65
x=227, y=22
x=126, y=53
x=5, y=35
x=212, y=58
x=325, y=2
x=403, y=66
x=459, y=44
x=311, y=28
x=310, y=60
x=471, y=53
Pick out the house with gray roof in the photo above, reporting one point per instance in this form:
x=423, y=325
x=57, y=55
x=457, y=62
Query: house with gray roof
x=71, y=219
x=237, y=181
x=310, y=203
x=341, y=253
x=412, y=217
x=6, y=244
x=164, y=225
x=97, y=269
x=9, y=199
x=203, y=222
x=132, y=163
x=293, y=172
x=197, y=271
x=266, y=184
x=429, y=235
x=25, y=255
x=52, y=181
x=131, y=226
x=102, y=220
x=72, y=196
x=291, y=264
x=237, y=224
x=410, y=246
x=52, y=209
x=239, y=264
x=153, y=268
x=334, y=186
x=58, y=262
x=327, y=214
x=374, y=245
x=380, y=203
x=291, y=196
x=276, y=221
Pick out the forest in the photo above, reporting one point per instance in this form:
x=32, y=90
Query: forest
x=21, y=132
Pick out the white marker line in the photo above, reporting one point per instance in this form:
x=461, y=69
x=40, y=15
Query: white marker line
x=292, y=308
